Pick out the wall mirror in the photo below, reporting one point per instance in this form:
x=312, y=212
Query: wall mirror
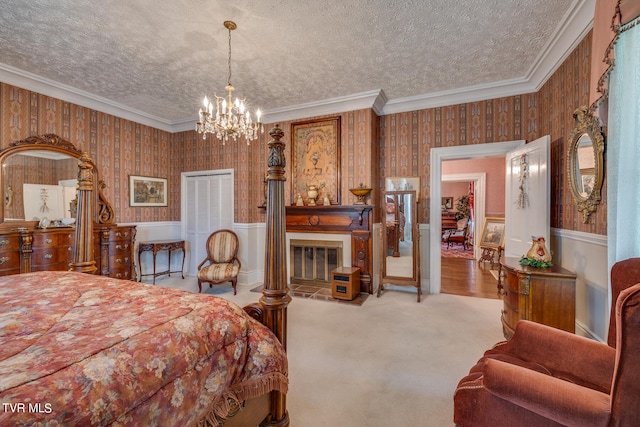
x=400, y=246
x=585, y=158
x=44, y=162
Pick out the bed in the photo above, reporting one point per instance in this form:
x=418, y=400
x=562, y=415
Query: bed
x=91, y=350
x=79, y=349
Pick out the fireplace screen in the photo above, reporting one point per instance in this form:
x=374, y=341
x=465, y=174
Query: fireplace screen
x=313, y=260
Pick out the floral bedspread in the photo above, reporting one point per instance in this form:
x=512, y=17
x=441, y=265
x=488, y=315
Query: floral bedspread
x=79, y=349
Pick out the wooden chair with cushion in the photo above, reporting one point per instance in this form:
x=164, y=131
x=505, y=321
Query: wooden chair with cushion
x=459, y=235
x=547, y=377
x=222, y=258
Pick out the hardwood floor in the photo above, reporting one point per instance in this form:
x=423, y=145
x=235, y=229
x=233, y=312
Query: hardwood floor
x=466, y=277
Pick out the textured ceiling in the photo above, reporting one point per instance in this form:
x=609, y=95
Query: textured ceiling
x=161, y=57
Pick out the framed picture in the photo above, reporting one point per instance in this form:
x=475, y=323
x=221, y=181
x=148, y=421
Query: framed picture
x=147, y=191
x=316, y=159
x=447, y=203
x=492, y=236
x=403, y=183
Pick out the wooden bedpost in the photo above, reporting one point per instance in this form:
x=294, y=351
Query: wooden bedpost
x=275, y=294
x=83, y=261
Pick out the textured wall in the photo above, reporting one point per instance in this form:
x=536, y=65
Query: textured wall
x=372, y=147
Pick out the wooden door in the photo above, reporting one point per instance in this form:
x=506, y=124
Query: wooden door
x=527, y=199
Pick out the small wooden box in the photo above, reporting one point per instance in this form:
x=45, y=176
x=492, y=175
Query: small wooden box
x=345, y=283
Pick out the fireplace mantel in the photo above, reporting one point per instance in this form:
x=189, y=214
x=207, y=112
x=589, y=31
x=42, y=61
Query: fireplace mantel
x=356, y=220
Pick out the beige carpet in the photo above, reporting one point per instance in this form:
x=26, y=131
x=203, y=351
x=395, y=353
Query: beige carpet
x=390, y=362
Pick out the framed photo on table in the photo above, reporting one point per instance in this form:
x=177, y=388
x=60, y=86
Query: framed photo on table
x=492, y=236
x=147, y=191
x=316, y=158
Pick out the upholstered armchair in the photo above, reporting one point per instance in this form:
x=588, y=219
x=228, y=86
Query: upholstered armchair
x=547, y=377
x=222, y=263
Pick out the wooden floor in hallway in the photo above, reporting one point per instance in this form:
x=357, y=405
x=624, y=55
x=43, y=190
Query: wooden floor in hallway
x=468, y=277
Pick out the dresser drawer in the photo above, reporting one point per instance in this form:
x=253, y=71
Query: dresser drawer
x=58, y=266
x=51, y=256
x=9, y=259
x=120, y=261
x=51, y=240
x=120, y=234
x=9, y=243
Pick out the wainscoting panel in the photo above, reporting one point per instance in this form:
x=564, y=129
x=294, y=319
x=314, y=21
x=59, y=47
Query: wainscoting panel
x=586, y=255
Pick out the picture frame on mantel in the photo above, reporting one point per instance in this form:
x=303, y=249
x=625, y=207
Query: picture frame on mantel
x=147, y=191
x=316, y=160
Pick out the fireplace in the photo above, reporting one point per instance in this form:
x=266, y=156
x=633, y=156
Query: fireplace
x=311, y=261
x=353, y=224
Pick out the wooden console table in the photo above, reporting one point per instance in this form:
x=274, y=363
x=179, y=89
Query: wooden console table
x=156, y=246
x=543, y=295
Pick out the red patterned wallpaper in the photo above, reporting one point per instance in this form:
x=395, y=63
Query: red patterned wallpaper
x=372, y=147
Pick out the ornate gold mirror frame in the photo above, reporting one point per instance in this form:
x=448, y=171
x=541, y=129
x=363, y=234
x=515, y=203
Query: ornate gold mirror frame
x=101, y=209
x=585, y=162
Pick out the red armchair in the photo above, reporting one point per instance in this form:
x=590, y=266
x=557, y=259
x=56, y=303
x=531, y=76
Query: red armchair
x=547, y=377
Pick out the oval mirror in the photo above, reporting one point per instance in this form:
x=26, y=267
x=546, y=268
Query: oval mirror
x=585, y=162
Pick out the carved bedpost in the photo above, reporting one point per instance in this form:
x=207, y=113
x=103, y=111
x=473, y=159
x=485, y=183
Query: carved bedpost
x=275, y=294
x=83, y=261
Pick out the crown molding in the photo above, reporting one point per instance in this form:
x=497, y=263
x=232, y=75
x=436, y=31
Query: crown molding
x=357, y=101
x=573, y=27
x=44, y=86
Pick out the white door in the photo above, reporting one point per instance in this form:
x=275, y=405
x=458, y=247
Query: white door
x=207, y=205
x=527, y=199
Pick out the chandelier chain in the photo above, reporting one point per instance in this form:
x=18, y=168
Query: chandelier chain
x=229, y=59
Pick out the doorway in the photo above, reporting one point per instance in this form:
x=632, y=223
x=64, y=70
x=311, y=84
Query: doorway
x=207, y=205
x=479, y=180
x=438, y=155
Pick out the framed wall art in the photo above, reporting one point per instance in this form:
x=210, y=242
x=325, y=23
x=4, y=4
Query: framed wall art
x=147, y=191
x=316, y=160
x=447, y=203
x=492, y=236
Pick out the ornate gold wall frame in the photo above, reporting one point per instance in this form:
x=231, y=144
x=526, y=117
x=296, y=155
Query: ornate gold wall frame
x=585, y=162
x=316, y=159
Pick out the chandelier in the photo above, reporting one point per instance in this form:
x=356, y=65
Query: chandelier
x=230, y=119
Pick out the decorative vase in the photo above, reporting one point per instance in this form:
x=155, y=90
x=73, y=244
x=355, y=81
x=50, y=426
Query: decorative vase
x=312, y=193
x=539, y=251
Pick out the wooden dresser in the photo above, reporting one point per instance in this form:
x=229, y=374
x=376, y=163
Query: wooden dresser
x=543, y=295
x=52, y=249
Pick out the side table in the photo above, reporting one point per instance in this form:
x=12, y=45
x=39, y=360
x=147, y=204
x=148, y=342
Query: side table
x=156, y=246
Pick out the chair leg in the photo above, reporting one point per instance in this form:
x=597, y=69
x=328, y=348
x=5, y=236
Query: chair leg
x=199, y=286
x=233, y=283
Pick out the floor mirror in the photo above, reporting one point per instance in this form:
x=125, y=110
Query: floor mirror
x=400, y=246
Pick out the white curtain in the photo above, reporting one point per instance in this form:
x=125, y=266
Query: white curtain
x=623, y=148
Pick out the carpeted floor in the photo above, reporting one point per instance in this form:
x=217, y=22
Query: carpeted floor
x=319, y=293
x=390, y=362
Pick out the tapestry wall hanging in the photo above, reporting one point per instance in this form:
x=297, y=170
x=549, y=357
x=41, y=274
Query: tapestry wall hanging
x=316, y=160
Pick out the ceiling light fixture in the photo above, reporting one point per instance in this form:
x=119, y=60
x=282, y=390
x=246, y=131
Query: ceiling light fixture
x=230, y=119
